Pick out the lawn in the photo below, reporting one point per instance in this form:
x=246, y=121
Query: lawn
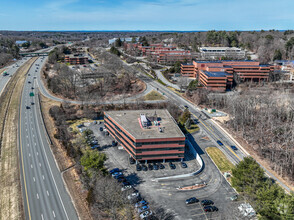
x=153, y=95
x=220, y=159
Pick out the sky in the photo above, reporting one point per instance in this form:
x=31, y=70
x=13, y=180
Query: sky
x=157, y=15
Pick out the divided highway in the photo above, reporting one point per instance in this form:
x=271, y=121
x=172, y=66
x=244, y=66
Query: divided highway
x=44, y=194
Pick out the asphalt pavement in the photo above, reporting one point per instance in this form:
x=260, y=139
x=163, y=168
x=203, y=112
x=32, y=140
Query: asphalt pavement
x=44, y=192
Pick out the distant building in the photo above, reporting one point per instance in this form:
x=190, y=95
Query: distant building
x=243, y=70
x=211, y=53
x=127, y=39
x=76, y=59
x=146, y=134
x=20, y=42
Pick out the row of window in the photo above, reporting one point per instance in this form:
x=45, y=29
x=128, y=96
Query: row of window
x=159, y=155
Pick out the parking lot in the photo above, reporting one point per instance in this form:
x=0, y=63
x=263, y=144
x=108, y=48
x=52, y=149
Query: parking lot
x=165, y=193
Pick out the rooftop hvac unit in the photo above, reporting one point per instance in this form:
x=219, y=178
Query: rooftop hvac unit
x=144, y=121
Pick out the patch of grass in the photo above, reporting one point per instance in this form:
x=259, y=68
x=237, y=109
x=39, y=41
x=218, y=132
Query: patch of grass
x=220, y=159
x=153, y=95
x=74, y=123
x=159, y=80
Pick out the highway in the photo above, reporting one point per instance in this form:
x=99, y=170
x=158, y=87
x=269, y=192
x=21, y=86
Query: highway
x=44, y=194
x=11, y=69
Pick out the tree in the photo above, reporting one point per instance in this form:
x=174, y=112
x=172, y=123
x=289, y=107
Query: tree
x=118, y=42
x=277, y=55
x=93, y=160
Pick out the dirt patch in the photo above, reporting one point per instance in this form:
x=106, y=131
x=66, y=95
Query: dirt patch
x=65, y=164
x=11, y=206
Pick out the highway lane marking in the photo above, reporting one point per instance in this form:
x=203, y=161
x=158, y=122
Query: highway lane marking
x=43, y=177
x=29, y=154
x=42, y=217
x=32, y=166
x=41, y=140
x=34, y=179
x=37, y=196
x=47, y=193
x=40, y=164
x=53, y=213
x=37, y=153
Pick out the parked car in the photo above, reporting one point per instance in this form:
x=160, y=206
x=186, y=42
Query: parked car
x=141, y=203
x=210, y=209
x=183, y=165
x=219, y=143
x=144, y=168
x=161, y=166
x=143, y=209
x=132, y=161
x=138, y=167
x=206, y=202
x=133, y=195
x=116, y=173
x=191, y=200
x=234, y=147
x=172, y=166
x=155, y=166
x=95, y=146
x=150, y=167
x=146, y=214
x=101, y=129
x=127, y=187
x=114, y=170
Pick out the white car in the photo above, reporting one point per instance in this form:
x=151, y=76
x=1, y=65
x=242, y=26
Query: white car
x=126, y=188
x=133, y=195
x=145, y=214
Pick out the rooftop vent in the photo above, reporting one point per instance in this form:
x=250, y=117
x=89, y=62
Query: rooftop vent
x=144, y=121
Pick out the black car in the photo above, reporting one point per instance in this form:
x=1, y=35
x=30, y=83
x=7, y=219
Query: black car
x=183, y=165
x=206, y=202
x=32, y=103
x=161, y=166
x=144, y=168
x=28, y=107
x=138, y=167
x=32, y=88
x=101, y=129
x=210, y=209
x=234, y=147
x=172, y=166
x=132, y=161
x=150, y=167
x=29, y=81
x=155, y=166
x=191, y=200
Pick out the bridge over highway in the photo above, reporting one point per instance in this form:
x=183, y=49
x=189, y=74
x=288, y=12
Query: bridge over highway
x=34, y=54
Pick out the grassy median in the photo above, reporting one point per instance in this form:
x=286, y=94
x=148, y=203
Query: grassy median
x=220, y=159
x=153, y=95
x=10, y=190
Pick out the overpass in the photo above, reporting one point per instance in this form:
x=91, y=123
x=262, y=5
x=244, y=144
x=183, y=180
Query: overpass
x=34, y=54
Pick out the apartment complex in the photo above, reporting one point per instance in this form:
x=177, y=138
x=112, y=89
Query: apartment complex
x=146, y=134
x=211, y=53
x=76, y=59
x=160, y=53
x=244, y=70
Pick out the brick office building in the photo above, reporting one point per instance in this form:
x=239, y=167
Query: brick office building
x=244, y=70
x=76, y=59
x=146, y=134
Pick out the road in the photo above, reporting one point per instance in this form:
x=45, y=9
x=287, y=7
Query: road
x=211, y=129
x=11, y=69
x=44, y=193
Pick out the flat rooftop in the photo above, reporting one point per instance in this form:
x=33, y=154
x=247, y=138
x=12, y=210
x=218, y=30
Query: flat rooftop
x=216, y=74
x=130, y=121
